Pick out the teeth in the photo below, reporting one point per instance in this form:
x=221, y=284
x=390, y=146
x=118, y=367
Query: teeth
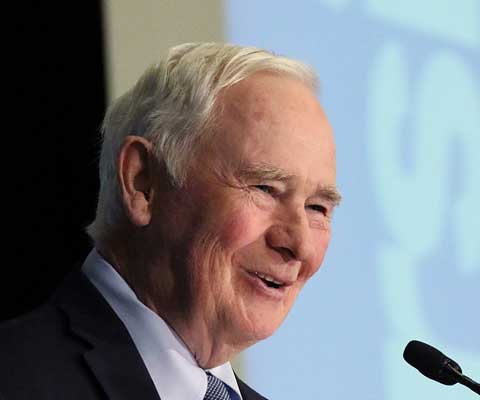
x=268, y=278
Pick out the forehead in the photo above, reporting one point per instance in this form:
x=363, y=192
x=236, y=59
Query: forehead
x=260, y=97
x=275, y=120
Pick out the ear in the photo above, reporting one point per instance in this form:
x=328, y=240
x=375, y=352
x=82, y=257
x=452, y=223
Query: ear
x=135, y=175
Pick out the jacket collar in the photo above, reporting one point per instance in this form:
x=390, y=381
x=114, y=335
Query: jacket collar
x=247, y=392
x=111, y=354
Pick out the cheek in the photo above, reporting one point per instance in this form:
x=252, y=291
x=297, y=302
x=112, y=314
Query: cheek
x=322, y=241
x=222, y=240
x=241, y=228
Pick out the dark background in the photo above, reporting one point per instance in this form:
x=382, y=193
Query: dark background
x=56, y=107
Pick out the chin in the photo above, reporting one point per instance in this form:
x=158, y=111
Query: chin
x=259, y=327
x=265, y=332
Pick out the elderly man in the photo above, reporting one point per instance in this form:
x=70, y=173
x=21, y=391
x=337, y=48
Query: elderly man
x=217, y=190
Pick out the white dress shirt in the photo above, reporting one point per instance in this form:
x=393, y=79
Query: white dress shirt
x=174, y=371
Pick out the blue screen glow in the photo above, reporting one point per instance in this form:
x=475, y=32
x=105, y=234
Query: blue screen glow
x=400, y=81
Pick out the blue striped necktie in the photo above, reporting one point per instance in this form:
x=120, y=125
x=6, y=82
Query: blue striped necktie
x=216, y=389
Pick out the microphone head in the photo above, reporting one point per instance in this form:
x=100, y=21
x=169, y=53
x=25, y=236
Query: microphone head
x=431, y=362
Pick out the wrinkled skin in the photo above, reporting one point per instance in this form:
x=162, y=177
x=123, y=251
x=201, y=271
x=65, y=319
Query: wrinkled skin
x=258, y=199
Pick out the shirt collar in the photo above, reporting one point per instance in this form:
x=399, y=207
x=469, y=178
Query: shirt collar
x=173, y=369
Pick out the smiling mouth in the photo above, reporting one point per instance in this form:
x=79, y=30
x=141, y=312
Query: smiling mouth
x=269, y=280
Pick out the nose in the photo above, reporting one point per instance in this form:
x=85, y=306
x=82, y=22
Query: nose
x=292, y=238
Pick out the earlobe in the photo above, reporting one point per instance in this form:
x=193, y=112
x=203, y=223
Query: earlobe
x=135, y=177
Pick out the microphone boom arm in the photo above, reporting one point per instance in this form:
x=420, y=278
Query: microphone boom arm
x=464, y=380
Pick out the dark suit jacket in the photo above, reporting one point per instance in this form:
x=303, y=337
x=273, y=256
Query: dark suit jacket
x=75, y=347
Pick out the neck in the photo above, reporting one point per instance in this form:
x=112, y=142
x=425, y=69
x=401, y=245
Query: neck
x=207, y=347
x=155, y=288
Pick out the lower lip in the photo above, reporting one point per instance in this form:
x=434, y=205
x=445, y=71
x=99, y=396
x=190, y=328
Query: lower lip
x=260, y=287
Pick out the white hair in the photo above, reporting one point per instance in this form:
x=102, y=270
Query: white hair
x=172, y=105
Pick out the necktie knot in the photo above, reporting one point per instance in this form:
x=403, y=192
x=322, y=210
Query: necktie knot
x=216, y=389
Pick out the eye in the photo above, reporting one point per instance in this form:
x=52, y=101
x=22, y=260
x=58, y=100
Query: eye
x=318, y=208
x=265, y=189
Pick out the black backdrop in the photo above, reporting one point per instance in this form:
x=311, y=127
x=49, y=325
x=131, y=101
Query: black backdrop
x=56, y=110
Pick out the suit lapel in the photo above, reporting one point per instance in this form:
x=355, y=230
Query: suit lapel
x=247, y=392
x=109, y=351
x=110, y=354
x=119, y=372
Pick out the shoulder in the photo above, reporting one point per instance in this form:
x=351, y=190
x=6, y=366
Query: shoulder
x=36, y=339
x=39, y=356
x=33, y=330
x=34, y=348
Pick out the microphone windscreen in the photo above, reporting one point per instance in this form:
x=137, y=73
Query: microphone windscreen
x=430, y=362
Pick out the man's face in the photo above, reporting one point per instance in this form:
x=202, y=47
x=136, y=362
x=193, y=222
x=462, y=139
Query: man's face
x=252, y=223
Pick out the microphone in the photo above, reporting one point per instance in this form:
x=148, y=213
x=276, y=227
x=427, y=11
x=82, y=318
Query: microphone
x=436, y=365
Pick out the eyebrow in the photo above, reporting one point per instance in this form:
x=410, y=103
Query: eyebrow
x=330, y=193
x=267, y=172
x=263, y=171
